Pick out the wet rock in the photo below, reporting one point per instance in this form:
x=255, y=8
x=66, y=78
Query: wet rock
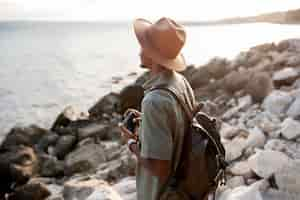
x=27, y=136
x=286, y=76
x=277, y=102
x=51, y=167
x=267, y=162
x=47, y=140
x=290, y=128
x=64, y=145
x=30, y=191
x=90, y=190
x=93, y=129
x=107, y=104
x=287, y=178
x=259, y=86
x=84, y=159
x=131, y=97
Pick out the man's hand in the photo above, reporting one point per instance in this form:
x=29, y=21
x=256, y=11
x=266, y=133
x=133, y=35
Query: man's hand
x=127, y=134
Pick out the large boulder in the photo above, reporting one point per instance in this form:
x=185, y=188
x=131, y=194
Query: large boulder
x=92, y=130
x=277, y=102
x=50, y=166
x=106, y=105
x=200, y=78
x=265, y=163
x=84, y=158
x=64, y=145
x=294, y=109
x=92, y=189
x=131, y=97
x=255, y=139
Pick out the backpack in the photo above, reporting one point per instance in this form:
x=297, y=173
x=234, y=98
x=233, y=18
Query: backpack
x=202, y=164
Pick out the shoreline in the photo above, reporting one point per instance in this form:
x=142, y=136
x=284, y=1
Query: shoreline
x=255, y=96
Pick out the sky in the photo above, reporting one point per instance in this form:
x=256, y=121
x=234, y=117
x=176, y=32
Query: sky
x=94, y=10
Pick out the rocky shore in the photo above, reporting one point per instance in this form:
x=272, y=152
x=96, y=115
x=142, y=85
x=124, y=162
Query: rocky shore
x=255, y=96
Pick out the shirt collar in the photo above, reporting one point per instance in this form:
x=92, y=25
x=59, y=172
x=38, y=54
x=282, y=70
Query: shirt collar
x=158, y=79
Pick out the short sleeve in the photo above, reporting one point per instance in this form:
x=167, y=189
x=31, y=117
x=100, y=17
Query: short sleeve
x=156, y=131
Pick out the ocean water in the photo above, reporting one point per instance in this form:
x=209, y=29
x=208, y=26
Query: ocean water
x=46, y=66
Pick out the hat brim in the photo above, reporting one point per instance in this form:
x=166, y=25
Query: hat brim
x=140, y=28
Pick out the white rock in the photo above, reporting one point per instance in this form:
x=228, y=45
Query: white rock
x=290, y=148
x=290, y=128
x=242, y=193
x=240, y=168
x=256, y=138
x=273, y=194
x=294, y=109
x=227, y=131
x=267, y=162
x=90, y=190
x=235, y=181
x=277, y=102
x=288, y=178
x=127, y=188
x=234, y=148
x=287, y=75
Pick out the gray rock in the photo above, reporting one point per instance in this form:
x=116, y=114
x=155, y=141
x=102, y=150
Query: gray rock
x=290, y=128
x=32, y=191
x=51, y=167
x=90, y=190
x=92, y=130
x=64, y=145
x=287, y=178
x=277, y=102
x=84, y=158
x=267, y=162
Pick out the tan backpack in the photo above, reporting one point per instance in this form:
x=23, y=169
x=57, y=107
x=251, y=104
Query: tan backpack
x=202, y=165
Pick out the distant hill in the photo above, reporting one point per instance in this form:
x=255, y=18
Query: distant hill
x=286, y=17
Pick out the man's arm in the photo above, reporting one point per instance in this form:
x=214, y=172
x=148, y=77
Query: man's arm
x=159, y=168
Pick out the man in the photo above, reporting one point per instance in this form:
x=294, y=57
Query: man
x=163, y=121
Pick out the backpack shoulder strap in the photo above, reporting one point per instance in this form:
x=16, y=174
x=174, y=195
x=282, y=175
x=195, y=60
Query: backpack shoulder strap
x=171, y=90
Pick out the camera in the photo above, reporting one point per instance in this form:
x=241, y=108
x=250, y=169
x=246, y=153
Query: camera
x=129, y=123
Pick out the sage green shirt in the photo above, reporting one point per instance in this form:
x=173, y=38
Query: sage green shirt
x=162, y=128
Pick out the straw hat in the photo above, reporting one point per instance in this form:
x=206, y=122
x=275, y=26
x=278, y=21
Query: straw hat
x=162, y=41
